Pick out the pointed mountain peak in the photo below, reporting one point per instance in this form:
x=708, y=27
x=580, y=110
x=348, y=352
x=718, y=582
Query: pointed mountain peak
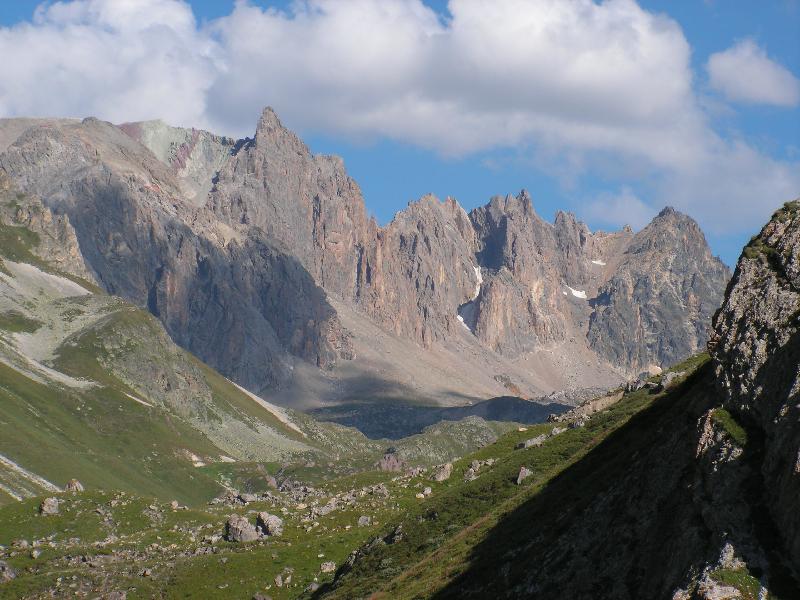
x=271, y=133
x=269, y=119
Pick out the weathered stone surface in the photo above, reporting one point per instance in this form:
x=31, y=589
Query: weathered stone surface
x=532, y=442
x=242, y=248
x=524, y=473
x=656, y=309
x=49, y=506
x=7, y=573
x=270, y=524
x=391, y=462
x=443, y=472
x=364, y=521
x=756, y=350
x=239, y=529
x=73, y=485
x=235, y=299
x=57, y=242
x=327, y=567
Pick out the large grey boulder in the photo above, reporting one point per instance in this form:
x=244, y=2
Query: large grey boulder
x=239, y=529
x=443, y=472
x=532, y=442
x=49, y=506
x=269, y=524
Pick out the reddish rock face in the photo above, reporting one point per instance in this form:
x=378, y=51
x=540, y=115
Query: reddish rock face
x=240, y=249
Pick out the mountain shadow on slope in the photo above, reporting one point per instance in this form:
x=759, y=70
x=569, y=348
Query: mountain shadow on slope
x=394, y=418
x=640, y=516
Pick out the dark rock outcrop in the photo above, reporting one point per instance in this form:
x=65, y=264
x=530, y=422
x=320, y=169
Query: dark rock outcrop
x=756, y=349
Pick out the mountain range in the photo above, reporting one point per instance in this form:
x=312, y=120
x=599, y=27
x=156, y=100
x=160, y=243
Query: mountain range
x=520, y=409
x=260, y=258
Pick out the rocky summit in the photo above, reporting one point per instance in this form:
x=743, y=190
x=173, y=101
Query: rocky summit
x=259, y=257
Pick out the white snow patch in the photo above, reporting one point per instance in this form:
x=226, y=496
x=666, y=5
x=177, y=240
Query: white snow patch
x=577, y=293
x=32, y=477
x=461, y=320
x=227, y=459
x=277, y=411
x=565, y=293
x=599, y=262
x=480, y=281
x=139, y=400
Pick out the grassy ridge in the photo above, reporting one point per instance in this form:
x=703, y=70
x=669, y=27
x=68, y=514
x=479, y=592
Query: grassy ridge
x=442, y=534
x=102, y=436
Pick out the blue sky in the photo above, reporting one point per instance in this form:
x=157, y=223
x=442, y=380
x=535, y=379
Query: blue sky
x=689, y=103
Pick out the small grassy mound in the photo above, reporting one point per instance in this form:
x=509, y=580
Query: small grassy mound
x=740, y=579
x=728, y=423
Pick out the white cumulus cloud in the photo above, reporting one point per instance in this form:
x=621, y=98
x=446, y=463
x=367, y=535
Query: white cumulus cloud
x=744, y=73
x=591, y=87
x=620, y=208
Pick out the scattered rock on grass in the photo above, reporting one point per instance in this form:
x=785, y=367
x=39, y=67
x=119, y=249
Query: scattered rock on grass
x=532, y=442
x=49, y=506
x=270, y=524
x=239, y=529
x=524, y=472
x=328, y=567
x=73, y=485
x=6, y=572
x=443, y=472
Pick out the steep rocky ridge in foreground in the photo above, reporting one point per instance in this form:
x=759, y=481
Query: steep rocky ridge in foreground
x=757, y=358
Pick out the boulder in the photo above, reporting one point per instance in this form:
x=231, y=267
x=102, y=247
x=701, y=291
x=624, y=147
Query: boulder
x=364, y=521
x=532, y=442
x=49, y=506
x=669, y=379
x=443, y=472
x=390, y=462
x=328, y=567
x=524, y=472
x=634, y=385
x=248, y=498
x=470, y=475
x=6, y=572
x=73, y=485
x=239, y=529
x=270, y=524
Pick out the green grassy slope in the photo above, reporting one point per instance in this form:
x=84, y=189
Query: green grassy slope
x=472, y=525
